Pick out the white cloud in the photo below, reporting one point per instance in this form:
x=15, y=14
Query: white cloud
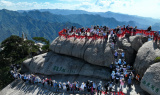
x=75, y=0
x=6, y=3
x=147, y=8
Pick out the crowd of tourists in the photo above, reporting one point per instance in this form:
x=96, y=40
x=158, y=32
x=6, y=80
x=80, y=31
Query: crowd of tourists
x=98, y=30
x=102, y=32
x=88, y=86
x=121, y=72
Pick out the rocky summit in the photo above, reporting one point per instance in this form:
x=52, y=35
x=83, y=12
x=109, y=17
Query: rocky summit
x=145, y=57
x=82, y=59
x=151, y=79
x=96, y=52
x=54, y=64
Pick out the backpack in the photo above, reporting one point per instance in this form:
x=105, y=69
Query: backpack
x=126, y=75
x=129, y=81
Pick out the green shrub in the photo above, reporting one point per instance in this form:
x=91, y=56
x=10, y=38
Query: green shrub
x=157, y=59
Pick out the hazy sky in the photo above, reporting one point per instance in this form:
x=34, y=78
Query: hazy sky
x=145, y=8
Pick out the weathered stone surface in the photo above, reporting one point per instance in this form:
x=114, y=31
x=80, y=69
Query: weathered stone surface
x=18, y=87
x=131, y=46
x=130, y=54
x=145, y=57
x=151, y=80
x=137, y=41
x=97, y=52
x=52, y=63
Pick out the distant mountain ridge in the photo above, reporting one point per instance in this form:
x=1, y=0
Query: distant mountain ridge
x=86, y=20
x=14, y=23
x=109, y=14
x=46, y=24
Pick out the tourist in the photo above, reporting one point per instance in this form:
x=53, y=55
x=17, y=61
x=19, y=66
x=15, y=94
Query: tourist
x=137, y=77
x=24, y=78
x=94, y=86
x=82, y=86
x=73, y=86
x=115, y=54
x=110, y=86
x=99, y=88
x=43, y=81
x=111, y=33
x=126, y=75
x=74, y=29
x=60, y=87
x=119, y=62
x=130, y=30
x=149, y=28
x=127, y=27
x=122, y=55
x=128, y=67
x=155, y=37
x=132, y=74
x=29, y=78
x=124, y=28
x=121, y=69
x=122, y=84
x=106, y=87
x=67, y=86
x=87, y=85
x=70, y=86
x=112, y=77
x=134, y=30
x=129, y=82
x=92, y=91
x=116, y=62
x=117, y=78
x=112, y=45
x=19, y=76
x=33, y=79
x=124, y=63
x=124, y=68
x=77, y=86
x=111, y=66
x=114, y=40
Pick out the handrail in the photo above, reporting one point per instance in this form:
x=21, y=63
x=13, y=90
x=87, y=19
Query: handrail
x=95, y=36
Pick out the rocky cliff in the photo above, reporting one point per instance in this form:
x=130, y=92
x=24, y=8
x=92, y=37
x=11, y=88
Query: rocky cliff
x=54, y=64
x=97, y=52
x=151, y=79
x=145, y=57
x=131, y=46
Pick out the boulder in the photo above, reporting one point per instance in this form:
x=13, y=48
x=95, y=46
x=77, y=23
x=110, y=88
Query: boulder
x=97, y=52
x=145, y=57
x=151, y=80
x=54, y=64
x=130, y=53
x=131, y=46
x=137, y=41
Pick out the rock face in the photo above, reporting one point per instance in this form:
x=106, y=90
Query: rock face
x=137, y=41
x=145, y=57
x=151, y=80
x=131, y=46
x=53, y=64
x=97, y=52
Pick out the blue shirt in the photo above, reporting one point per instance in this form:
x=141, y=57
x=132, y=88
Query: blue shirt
x=122, y=54
x=119, y=61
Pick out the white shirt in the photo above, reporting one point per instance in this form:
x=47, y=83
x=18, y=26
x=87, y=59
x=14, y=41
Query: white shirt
x=82, y=86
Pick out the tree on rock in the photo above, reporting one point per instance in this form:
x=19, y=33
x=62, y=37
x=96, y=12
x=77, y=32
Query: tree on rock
x=15, y=48
x=45, y=47
x=15, y=51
